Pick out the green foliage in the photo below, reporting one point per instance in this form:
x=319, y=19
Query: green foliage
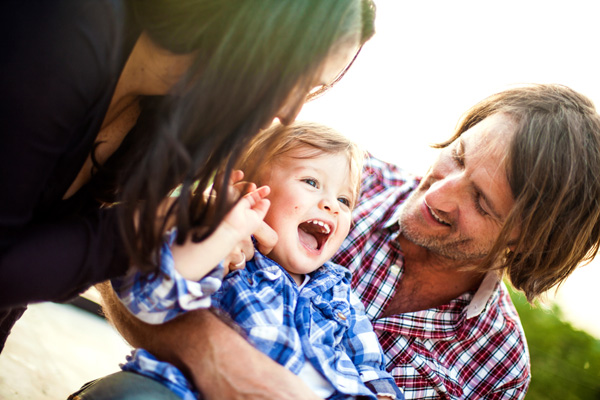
x=565, y=362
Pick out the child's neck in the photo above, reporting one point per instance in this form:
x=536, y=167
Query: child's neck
x=298, y=278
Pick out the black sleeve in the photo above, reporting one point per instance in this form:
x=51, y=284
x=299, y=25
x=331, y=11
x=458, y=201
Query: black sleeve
x=57, y=261
x=57, y=64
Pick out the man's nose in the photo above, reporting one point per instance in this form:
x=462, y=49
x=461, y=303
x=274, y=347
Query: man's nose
x=446, y=194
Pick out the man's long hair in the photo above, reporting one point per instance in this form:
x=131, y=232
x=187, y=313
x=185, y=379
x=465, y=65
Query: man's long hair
x=553, y=168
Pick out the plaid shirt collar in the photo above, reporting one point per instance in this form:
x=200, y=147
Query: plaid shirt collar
x=442, y=322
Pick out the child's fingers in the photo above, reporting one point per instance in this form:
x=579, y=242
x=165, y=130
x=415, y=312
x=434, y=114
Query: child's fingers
x=256, y=195
x=239, y=263
x=263, y=191
x=242, y=188
x=238, y=256
x=236, y=176
x=266, y=238
x=261, y=208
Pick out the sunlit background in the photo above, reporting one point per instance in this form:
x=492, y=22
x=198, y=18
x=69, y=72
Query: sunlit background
x=428, y=63
x=431, y=60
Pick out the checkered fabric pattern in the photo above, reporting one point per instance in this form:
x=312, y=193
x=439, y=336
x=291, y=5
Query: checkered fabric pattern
x=142, y=362
x=448, y=352
x=161, y=296
x=321, y=321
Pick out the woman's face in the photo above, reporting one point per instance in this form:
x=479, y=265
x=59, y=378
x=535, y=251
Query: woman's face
x=334, y=64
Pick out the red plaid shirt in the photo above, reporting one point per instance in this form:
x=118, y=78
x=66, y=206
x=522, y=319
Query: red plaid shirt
x=471, y=348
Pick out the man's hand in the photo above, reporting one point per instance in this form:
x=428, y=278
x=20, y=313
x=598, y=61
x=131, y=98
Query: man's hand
x=221, y=363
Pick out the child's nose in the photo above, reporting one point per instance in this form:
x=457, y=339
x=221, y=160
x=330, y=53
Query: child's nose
x=330, y=205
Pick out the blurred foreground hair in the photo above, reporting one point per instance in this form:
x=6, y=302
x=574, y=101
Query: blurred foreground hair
x=249, y=56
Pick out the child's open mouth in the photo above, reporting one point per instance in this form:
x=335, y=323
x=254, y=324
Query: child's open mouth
x=313, y=233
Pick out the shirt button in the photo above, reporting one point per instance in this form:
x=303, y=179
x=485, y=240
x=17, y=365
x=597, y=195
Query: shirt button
x=395, y=269
x=341, y=316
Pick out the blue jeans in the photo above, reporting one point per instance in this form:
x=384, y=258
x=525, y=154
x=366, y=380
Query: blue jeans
x=124, y=386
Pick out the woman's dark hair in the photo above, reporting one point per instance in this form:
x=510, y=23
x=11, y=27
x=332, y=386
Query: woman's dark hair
x=553, y=168
x=249, y=56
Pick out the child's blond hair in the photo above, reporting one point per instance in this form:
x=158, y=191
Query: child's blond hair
x=280, y=139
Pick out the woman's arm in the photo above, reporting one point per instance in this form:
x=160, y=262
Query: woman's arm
x=218, y=360
x=50, y=119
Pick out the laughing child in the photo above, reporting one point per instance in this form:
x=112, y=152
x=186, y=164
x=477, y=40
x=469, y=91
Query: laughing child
x=294, y=305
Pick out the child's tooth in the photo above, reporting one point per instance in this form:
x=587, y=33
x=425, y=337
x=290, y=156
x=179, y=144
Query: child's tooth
x=326, y=227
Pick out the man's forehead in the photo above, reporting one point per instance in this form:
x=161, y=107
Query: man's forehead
x=486, y=148
x=495, y=130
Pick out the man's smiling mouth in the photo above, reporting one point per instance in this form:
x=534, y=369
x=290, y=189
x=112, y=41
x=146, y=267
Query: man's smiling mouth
x=314, y=233
x=437, y=217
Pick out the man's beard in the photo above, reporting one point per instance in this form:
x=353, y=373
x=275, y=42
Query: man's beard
x=449, y=246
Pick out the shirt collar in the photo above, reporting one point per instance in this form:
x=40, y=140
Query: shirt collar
x=394, y=218
x=482, y=296
x=446, y=320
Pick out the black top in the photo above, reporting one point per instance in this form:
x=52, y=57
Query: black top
x=60, y=61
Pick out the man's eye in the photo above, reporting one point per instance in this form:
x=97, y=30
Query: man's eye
x=312, y=182
x=477, y=200
x=458, y=156
x=344, y=201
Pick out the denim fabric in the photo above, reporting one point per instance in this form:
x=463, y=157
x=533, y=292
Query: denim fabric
x=124, y=386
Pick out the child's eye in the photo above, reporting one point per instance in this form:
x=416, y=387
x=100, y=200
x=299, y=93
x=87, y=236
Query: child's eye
x=344, y=201
x=312, y=182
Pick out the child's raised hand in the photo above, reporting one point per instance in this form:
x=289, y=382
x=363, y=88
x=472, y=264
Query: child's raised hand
x=231, y=241
x=246, y=216
x=265, y=236
x=244, y=219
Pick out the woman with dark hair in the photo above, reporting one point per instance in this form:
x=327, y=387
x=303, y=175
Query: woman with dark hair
x=108, y=106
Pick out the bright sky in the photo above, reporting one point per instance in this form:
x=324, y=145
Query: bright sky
x=431, y=60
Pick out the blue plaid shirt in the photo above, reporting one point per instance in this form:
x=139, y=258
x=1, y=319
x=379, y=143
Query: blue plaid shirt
x=161, y=296
x=322, y=322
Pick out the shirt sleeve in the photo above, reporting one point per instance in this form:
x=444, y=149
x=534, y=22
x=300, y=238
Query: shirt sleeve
x=365, y=351
x=142, y=362
x=511, y=391
x=159, y=297
x=56, y=61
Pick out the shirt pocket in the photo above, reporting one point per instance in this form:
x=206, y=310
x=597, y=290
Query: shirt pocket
x=330, y=320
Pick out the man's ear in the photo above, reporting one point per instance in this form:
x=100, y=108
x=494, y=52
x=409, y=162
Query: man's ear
x=512, y=244
x=514, y=238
